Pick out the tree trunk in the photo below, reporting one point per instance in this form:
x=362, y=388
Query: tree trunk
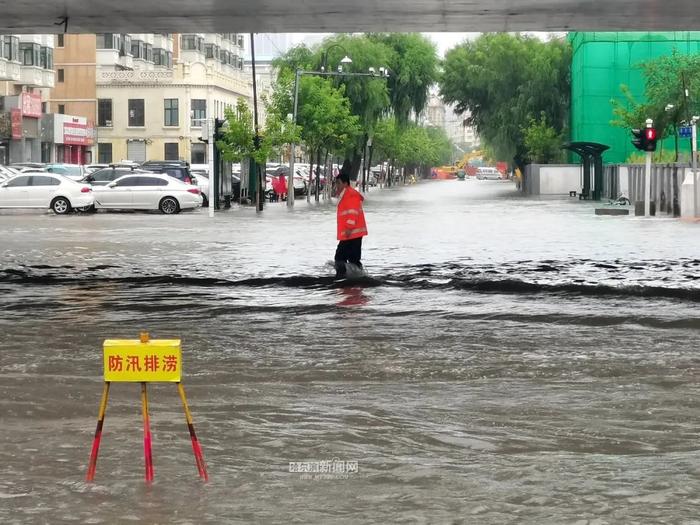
x=311, y=176
x=317, y=182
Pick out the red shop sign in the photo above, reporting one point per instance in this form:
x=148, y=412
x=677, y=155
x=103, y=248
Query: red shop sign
x=16, y=117
x=75, y=134
x=31, y=105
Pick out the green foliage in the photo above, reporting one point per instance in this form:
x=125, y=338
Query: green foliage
x=413, y=64
x=504, y=81
x=411, y=145
x=238, y=141
x=666, y=79
x=325, y=117
x=542, y=142
x=658, y=157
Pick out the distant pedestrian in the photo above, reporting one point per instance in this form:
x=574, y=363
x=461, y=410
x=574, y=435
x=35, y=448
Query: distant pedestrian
x=351, y=226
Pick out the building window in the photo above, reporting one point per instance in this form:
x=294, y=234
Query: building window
x=148, y=52
x=61, y=75
x=104, y=153
x=125, y=47
x=160, y=57
x=192, y=43
x=104, y=112
x=171, y=112
x=60, y=40
x=109, y=41
x=136, y=112
x=62, y=109
x=30, y=54
x=199, y=154
x=199, y=112
x=11, y=46
x=137, y=48
x=171, y=151
x=212, y=51
x=47, y=57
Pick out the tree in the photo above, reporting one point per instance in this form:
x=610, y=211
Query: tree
x=238, y=140
x=413, y=65
x=542, y=142
x=325, y=118
x=666, y=79
x=503, y=81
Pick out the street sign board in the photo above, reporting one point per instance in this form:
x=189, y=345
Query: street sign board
x=685, y=132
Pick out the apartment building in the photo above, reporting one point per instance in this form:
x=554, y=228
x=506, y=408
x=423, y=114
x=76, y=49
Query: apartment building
x=26, y=72
x=153, y=100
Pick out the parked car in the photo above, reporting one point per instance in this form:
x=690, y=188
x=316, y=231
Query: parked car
x=45, y=190
x=72, y=171
x=105, y=176
x=94, y=167
x=33, y=165
x=486, y=173
x=177, y=169
x=147, y=191
x=202, y=179
x=7, y=173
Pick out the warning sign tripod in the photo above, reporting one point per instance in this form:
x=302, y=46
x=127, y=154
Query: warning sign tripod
x=146, y=361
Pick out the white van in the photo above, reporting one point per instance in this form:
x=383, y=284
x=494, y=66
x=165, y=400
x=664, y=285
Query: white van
x=488, y=174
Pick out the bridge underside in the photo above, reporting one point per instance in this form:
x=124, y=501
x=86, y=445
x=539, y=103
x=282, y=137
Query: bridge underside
x=171, y=16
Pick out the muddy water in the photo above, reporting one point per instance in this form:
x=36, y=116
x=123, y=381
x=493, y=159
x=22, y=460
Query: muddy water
x=506, y=361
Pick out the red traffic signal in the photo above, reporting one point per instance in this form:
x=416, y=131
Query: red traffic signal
x=644, y=140
x=650, y=136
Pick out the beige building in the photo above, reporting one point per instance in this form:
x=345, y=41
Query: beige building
x=149, y=93
x=155, y=110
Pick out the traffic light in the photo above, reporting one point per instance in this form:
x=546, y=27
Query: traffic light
x=650, y=139
x=644, y=139
x=640, y=139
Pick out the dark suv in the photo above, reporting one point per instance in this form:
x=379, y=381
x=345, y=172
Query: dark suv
x=178, y=169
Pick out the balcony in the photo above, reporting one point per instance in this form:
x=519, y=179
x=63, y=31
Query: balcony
x=34, y=76
x=127, y=61
x=10, y=70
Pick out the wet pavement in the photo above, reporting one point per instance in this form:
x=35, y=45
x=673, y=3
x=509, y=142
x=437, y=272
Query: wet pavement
x=508, y=360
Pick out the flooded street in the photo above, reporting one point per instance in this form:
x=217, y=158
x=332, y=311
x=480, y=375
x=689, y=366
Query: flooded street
x=508, y=360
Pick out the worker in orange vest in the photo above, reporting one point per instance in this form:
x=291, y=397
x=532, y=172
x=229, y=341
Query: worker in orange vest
x=351, y=225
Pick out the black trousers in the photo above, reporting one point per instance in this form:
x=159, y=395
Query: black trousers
x=347, y=252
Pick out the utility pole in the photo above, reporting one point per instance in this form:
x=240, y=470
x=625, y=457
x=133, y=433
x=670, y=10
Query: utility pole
x=647, y=177
x=293, y=147
x=694, y=153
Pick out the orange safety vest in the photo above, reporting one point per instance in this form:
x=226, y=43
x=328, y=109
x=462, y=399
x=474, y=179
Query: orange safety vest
x=350, y=215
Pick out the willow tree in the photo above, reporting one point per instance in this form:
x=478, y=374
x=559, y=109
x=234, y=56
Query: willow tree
x=504, y=83
x=413, y=65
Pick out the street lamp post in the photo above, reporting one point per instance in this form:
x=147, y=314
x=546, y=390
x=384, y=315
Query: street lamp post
x=694, y=153
x=383, y=73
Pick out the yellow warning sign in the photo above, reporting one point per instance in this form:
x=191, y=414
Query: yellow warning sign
x=145, y=360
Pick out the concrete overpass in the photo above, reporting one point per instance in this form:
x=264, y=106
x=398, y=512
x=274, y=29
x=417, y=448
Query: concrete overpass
x=171, y=16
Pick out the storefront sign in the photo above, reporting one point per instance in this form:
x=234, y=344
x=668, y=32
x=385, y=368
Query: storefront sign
x=75, y=133
x=16, y=116
x=31, y=105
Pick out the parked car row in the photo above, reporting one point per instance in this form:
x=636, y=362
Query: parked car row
x=135, y=190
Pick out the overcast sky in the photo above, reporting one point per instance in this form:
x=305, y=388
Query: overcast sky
x=444, y=41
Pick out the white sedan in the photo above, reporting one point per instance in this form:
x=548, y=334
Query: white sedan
x=150, y=191
x=45, y=190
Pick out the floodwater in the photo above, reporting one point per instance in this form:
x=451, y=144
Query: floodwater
x=509, y=360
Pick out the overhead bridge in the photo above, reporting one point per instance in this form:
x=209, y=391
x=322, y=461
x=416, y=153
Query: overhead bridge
x=212, y=16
